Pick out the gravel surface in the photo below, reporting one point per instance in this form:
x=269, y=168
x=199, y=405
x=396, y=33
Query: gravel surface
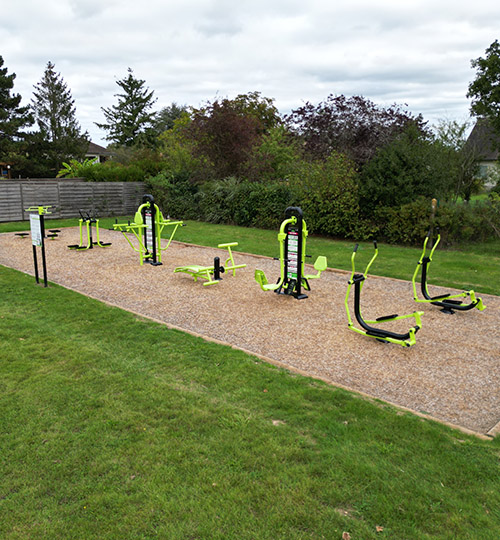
x=452, y=373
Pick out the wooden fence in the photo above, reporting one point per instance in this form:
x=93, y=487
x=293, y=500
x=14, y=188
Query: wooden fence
x=68, y=196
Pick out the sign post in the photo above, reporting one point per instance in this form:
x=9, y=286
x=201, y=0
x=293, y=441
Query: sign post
x=37, y=226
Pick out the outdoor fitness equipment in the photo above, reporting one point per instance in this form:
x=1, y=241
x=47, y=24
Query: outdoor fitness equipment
x=405, y=340
x=147, y=228
x=89, y=219
x=212, y=273
x=292, y=239
x=447, y=301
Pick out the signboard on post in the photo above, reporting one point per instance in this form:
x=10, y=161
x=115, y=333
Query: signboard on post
x=37, y=237
x=36, y=230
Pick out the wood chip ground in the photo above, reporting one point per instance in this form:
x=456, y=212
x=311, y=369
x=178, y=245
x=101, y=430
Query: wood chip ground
x=452, y=373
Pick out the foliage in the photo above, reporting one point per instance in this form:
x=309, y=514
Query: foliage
x=110, y=171
x=226, y=131
x=142, y=157
x=406, y=224
x=245, y=203
x=411, y=165
x=458, y=223
x=327, y=191
x=166, y=117
x=178, y=152
x=129, y=122
x=275, y=158
x=485, y=89
x=354, y=126
x=460, y=158
x=55, y=114
x=224, y=136
x=73, y=168
x=493, y=177
x=490, y=212
x=175, y=194
x=13, y=120
x=259, y=107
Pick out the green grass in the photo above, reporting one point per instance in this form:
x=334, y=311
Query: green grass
x=469, y=266
x=115, y=427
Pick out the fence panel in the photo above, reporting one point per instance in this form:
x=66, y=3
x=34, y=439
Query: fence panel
x=11, y=208
x=68, y=197
x=39, y=194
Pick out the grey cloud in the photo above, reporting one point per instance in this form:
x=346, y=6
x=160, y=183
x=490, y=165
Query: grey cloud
x=406, y=52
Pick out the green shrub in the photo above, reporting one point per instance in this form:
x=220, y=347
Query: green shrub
x=175, y=195
x=245, y=203
x=266, y=204
x=111, y=171
x=410, y=166
x=327, y=191
x=409, y=223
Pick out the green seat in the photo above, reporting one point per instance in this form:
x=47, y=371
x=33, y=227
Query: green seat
x=320, y=265
x=261, y=279
x=193, y=269
x=202, y=272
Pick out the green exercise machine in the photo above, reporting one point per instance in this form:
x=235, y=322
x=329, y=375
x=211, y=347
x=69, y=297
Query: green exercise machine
x=147, y=228
x=212, y=274
x=292, y=240
x=405, y=340
x=448, y=302
x=88, y=219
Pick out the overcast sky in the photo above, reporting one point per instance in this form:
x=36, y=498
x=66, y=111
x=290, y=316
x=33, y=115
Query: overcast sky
x=414, y=52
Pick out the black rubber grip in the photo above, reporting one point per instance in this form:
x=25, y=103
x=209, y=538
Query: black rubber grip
x=387, y=317
x=441, y=296
x=355, y=248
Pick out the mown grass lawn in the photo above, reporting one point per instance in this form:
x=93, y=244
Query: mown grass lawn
x=115, y=427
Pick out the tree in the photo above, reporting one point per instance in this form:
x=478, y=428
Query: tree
x=485, y=89
x=409, y=166
x=165, y=119
x=13, y=117
x=354, y=126
x=227, y=131
x=460, y=157
x=55, y=113
x=129, y=122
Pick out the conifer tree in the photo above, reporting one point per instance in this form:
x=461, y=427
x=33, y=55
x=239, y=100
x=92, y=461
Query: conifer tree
x=484, y=90
x=13, y=117
x=130, y=122
x=55, y=114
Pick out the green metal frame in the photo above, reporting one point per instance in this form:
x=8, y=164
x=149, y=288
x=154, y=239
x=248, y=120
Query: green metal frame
x=90, y=243
x=447, y=301
x=233, y=266
x=320, y=264
x=405, y=340
x=42, y=210
x=137, y=229
x=207, y=272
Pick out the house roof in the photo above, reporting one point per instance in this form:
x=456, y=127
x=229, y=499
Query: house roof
x=485, y=140
x=99, y=150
